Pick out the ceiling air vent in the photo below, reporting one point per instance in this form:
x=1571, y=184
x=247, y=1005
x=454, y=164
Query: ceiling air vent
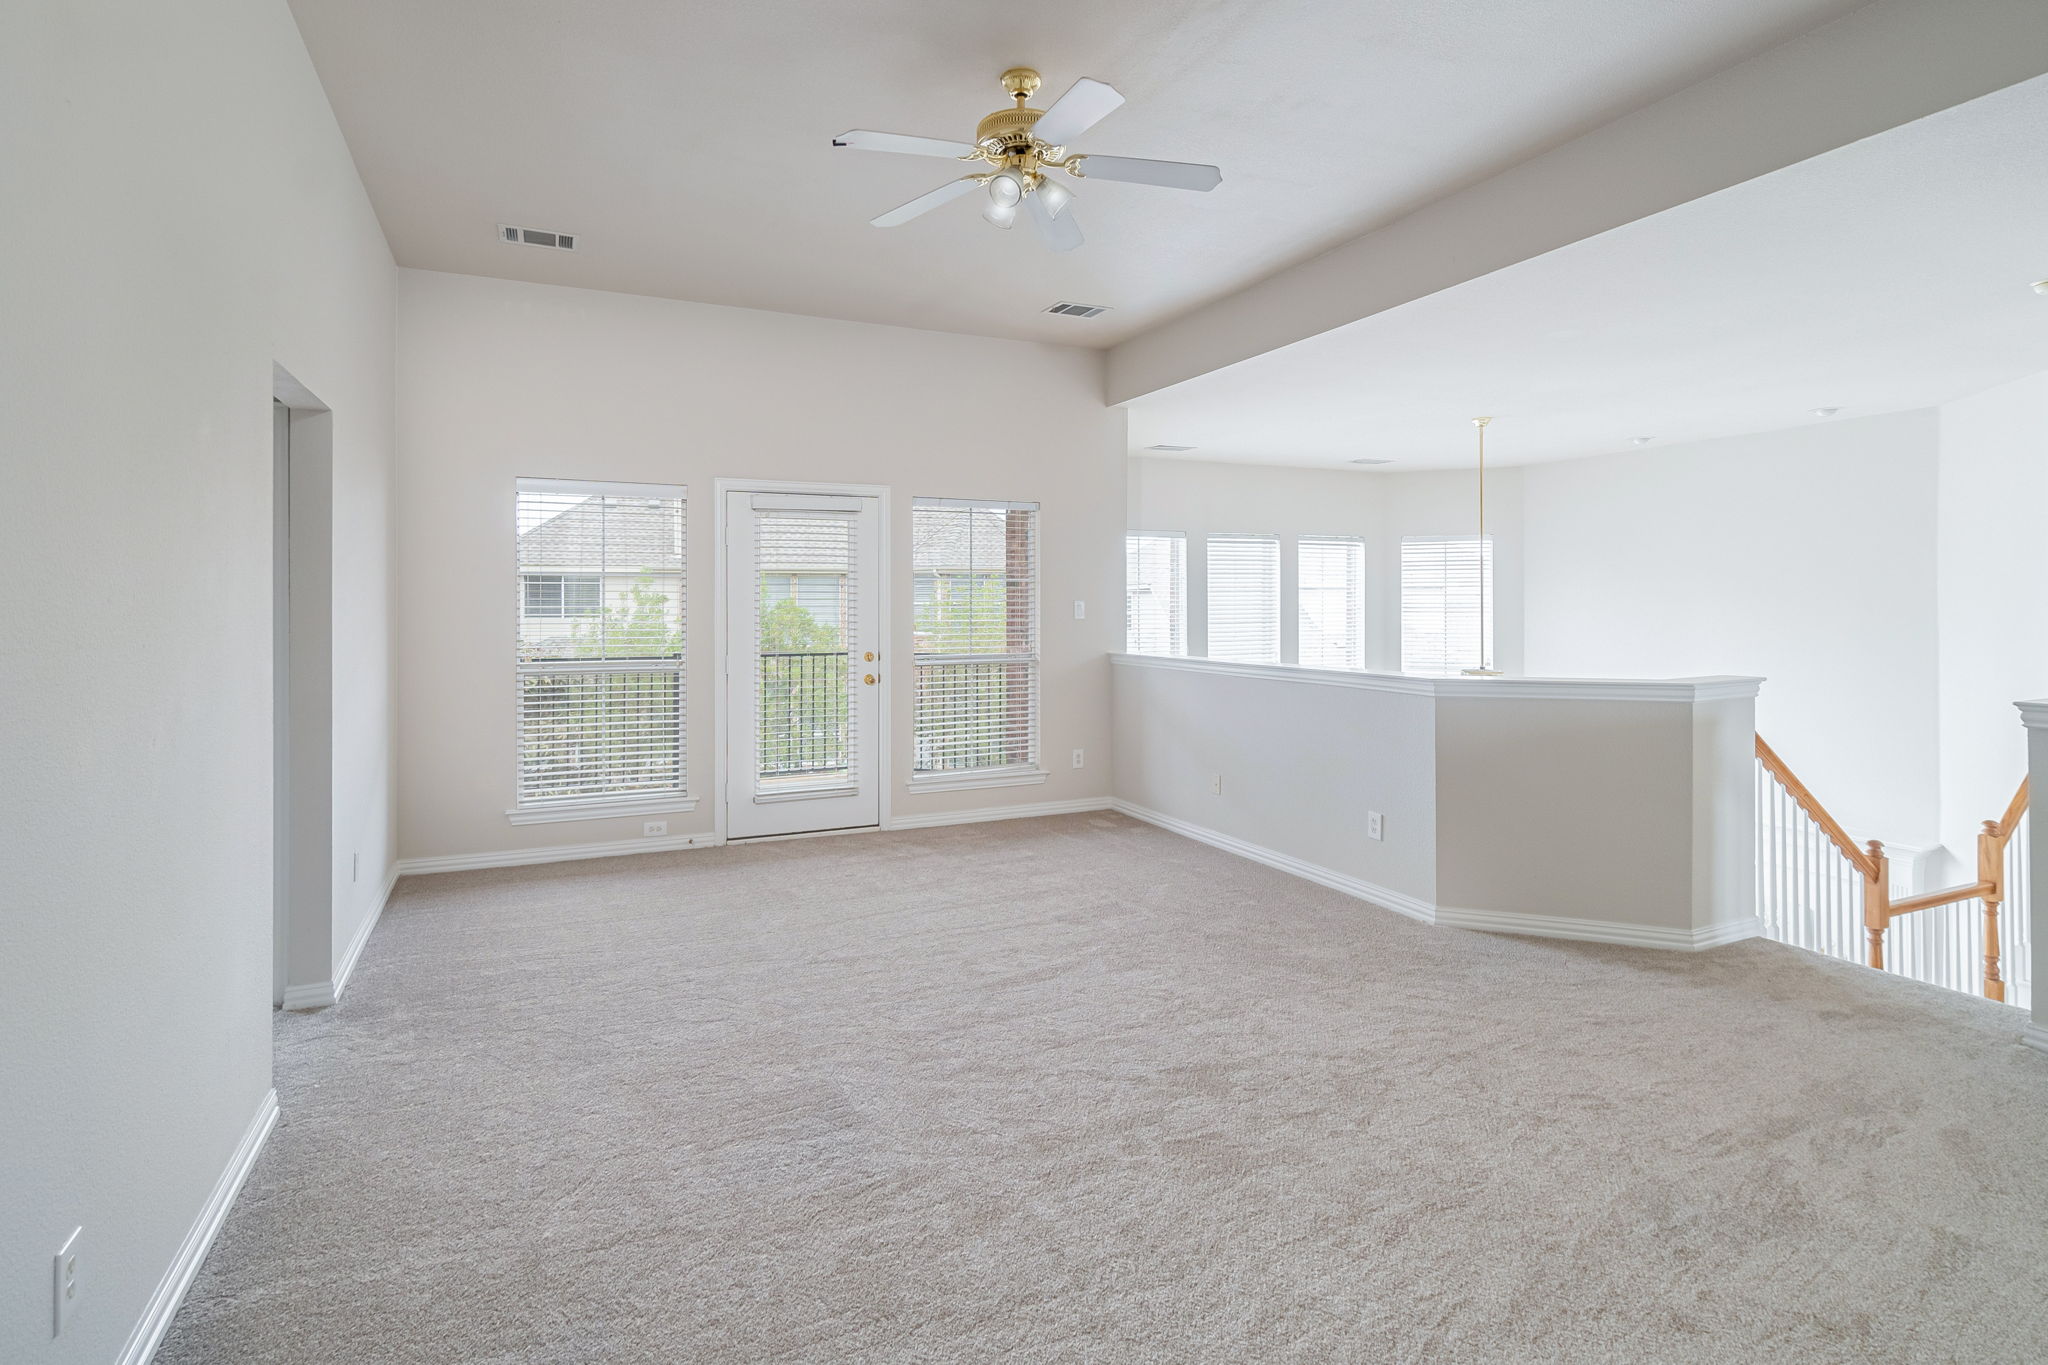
x=1170, y=447
x=521, y=236
x=1370, y=461
x=1078, y=310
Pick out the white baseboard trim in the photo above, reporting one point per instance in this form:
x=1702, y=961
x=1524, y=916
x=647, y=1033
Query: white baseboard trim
x=313, y=995
x=318, y=995
x=1385, y=897
x=2034, y=1035
x=1598, y=930
x=1490, y=921
x=362, y=938
x=557, y=853
x=975, y=817
x=170, y=1291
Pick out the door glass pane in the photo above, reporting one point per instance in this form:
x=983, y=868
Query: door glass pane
x=804, y=565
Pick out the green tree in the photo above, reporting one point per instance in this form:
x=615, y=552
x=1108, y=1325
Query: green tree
x=641, y=627
x=789, y=628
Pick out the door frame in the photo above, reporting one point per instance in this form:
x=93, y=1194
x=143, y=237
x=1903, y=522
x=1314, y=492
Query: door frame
x=885, y=561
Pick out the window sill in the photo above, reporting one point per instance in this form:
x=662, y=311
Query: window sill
x=970, y=781
x=601, y=810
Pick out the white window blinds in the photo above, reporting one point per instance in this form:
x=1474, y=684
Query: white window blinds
x=599, y=662
x=1244, y=599
x=974, y=568
x=1331, y=585
x=1446, y=603
x=1155, y=592
x=805, y=560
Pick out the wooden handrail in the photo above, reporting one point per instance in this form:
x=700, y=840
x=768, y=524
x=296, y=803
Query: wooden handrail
x=1810, y=803
x=2010, y=821
x=1879, y=909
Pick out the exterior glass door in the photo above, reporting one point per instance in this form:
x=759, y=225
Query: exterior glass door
x=803, y=665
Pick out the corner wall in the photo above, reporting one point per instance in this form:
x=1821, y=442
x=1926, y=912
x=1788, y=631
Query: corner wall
x=189, y=216
x=502, y=380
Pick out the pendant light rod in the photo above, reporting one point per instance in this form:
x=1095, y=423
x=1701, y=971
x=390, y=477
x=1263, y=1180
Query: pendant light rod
x=1486, y=668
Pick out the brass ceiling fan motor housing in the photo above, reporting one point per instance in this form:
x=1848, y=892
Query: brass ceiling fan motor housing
x=1012, y=127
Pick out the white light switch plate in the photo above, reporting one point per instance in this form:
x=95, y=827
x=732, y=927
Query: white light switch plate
x=1080, y=611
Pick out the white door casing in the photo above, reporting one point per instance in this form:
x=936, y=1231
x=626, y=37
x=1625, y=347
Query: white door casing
x=802, y=662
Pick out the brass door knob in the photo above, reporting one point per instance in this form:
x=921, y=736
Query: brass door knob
x=868, y=657
x=869, y=680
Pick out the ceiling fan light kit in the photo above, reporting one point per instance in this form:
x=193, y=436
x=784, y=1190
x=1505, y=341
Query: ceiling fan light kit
x=1024, y=145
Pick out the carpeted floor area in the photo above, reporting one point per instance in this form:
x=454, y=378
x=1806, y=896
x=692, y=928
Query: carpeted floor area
x=1076, y=1089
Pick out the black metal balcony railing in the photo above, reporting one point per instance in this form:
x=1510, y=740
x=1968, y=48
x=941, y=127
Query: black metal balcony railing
x=802, y=713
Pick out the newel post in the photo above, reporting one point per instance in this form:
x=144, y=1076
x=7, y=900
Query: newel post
x=1991, y=871
x=1877, y=902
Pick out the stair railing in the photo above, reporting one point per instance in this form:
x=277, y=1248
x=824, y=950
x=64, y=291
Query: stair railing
x=1805, y=874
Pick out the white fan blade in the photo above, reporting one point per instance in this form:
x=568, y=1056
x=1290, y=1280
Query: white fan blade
x=1086, y=103
x=867, y=141
x=1174, y=175
x=1058, y=231
x=925, y=203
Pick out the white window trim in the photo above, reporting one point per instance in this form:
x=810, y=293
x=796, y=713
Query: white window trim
x=1015, y=775
x=1489, y=640
x=968, y=779
x=1363, y=604
x=1209, y=538
x=606, y=809
x=1186, y=596
x=677, y=802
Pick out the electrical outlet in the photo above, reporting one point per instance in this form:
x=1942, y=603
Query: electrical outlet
x=64, y=1283
x=1079, y=756
x=1216, y=784
x=1080, y=611
x=653, y=827
x=1373, y=828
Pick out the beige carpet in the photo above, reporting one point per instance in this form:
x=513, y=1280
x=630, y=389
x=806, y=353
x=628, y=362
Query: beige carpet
x=1079, y=1090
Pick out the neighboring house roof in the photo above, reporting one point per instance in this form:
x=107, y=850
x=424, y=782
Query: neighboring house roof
x=959, y=544
x=606, y=533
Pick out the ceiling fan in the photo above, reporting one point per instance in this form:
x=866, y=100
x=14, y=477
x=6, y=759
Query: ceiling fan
x=1024, y=144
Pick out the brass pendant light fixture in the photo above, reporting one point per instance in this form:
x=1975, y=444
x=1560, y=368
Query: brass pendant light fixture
x=1486, y=668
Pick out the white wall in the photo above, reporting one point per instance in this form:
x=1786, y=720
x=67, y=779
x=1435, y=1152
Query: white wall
x=1994, y=597
x=1202, y=498
x=183, y=214
x=1622, y=815
x=503, y=380
x=1805, y=556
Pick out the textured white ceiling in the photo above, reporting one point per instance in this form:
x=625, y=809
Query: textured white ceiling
x=689, y=144
x=1888, y=275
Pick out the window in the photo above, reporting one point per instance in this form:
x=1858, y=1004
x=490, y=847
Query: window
x=1446, y=603
x=549, y=595
x=1155, y=592
x=1244, y=599
x=1332, y=609
x=974, y=569
x=600, y=656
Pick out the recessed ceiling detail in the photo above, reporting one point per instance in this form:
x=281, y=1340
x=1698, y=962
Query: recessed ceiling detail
x=1025, y=146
